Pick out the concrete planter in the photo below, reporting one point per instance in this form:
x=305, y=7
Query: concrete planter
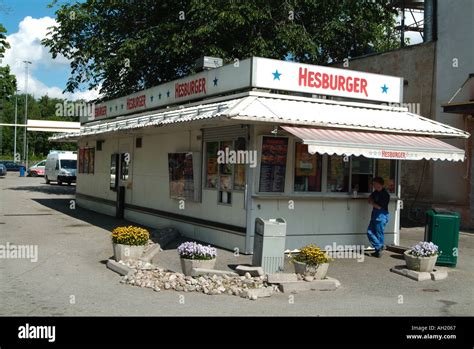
x=126, y=252
x=422, y=264
x=187, y=265
x=317, y=271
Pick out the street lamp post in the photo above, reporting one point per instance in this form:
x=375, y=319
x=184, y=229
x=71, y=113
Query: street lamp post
x=25, y=152
x=16, y=121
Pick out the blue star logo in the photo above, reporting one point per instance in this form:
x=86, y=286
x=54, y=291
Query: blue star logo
x=168, y=93
x=384, y=88
x=215, y=81
x=276, y=75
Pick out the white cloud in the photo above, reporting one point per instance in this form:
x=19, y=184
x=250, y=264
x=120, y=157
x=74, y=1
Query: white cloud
x=26, y=45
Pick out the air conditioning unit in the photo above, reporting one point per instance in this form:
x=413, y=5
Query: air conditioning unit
x=207, y=63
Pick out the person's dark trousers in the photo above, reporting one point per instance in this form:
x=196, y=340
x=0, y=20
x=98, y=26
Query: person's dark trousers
x=375, y=230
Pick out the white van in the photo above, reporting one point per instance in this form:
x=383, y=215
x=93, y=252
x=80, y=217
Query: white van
x=61, y=167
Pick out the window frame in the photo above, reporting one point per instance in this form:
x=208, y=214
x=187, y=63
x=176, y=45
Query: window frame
x=293, y=171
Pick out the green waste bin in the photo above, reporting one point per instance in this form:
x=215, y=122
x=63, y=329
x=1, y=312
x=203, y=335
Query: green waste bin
x=442, y=228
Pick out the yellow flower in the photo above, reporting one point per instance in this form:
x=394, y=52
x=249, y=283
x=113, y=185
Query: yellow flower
x=312, y=255
x=130, y=235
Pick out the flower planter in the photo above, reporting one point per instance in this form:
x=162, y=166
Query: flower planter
x=317, y=271
x=126, y=252
x=187, y=265
x=422, y=264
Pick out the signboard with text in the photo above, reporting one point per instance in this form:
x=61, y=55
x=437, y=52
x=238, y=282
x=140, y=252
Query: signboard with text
x=261, y=73
x=290, y=76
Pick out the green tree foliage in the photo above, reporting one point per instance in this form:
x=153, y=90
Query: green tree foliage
x=127, y=45
x=4, y=45
x=7, y=80
x=43, y=108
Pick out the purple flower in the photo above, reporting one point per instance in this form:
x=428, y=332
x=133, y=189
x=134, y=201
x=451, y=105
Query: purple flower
x=424, y=249
x=193, y=250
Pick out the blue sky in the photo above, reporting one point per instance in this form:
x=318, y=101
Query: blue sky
x=26, y=22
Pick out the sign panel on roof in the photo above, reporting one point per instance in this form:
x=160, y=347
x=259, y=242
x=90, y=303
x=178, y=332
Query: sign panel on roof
x=261, y=73
x=290, y=76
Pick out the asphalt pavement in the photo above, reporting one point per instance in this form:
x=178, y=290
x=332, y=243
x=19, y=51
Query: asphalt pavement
x=70, y=277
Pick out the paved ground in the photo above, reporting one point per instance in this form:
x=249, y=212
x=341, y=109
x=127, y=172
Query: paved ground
x=70, y=277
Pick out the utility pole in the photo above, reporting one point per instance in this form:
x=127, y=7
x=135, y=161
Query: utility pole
x=16, y=121
x=25, y=151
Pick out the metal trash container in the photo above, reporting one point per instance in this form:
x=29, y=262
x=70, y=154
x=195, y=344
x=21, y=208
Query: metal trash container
x=442, y=228
x=22, y=171
x=269, y=244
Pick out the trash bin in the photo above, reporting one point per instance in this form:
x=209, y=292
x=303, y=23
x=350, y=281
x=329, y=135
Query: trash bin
x=269, y=244
x=442, y=228
x=22, y=171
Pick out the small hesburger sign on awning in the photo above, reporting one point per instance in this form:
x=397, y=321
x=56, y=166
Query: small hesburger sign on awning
x=375, y=145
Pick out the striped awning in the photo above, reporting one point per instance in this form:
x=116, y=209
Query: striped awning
x=375, y=145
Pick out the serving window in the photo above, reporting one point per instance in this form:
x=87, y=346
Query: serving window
x=338, y=169
x=308, y=170
x=364, y=170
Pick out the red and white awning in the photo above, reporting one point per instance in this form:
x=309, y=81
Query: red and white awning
x=375, y=145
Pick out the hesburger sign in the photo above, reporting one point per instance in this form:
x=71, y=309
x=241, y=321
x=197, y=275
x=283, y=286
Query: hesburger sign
x=322, y=80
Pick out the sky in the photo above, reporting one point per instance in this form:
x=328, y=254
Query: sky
x=26, y=22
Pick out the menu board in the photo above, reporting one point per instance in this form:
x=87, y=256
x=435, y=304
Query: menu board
x=181, y=176
x=273, y=164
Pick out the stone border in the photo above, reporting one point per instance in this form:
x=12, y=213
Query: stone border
x=435, y=275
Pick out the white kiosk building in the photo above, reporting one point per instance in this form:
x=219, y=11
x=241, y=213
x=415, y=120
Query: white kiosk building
x=301, y=141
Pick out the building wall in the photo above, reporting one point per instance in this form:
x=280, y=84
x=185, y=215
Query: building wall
x=148, y=184
x=416, y=65
x=454, y=63
x=323, y=219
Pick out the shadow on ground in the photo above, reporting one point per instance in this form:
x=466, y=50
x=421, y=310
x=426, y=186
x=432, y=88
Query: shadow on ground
x=52, y=189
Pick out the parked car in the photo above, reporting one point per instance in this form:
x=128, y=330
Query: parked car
x=3, y=170
x=11, y=165
x=37, y=169
x=61, y=167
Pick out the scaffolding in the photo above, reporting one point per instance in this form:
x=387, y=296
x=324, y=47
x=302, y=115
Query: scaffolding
x=407, y=10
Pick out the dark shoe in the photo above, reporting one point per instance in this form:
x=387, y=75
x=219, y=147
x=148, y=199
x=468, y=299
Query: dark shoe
x=378, y=253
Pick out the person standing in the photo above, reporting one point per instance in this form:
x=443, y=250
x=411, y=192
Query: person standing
x=379, y=199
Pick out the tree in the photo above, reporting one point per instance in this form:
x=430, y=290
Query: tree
x=7, y=80
x=124, y=46
x=4, y=45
